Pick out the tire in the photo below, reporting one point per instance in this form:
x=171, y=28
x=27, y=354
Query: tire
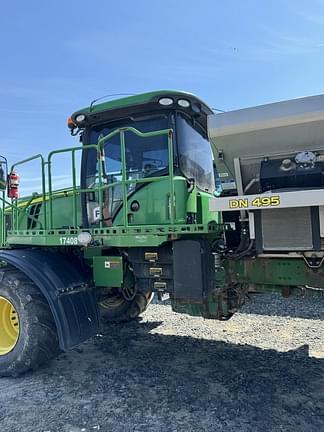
x=32, y=340
x=116, y=309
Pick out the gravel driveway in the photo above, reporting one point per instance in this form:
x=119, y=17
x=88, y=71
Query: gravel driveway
x=171, y=372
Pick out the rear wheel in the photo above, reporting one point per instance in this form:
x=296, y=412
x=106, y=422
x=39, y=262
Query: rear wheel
x=28, y=335
x=116, y=307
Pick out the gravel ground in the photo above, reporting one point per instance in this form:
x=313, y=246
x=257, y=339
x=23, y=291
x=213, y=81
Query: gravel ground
x=170, y=372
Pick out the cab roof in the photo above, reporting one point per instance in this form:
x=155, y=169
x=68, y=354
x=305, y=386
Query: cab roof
x=121, y=107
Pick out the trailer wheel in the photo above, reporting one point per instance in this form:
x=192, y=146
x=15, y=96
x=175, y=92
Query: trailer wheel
x=115, y=308
x=28, y=335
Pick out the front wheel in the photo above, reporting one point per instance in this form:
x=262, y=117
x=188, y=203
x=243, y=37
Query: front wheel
x=28, y=335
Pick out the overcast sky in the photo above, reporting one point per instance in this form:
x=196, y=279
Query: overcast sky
x=56, y=56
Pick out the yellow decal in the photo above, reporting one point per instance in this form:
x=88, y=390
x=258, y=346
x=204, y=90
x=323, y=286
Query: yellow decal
x=239, y=203
x=266, y=201
x=261, y=201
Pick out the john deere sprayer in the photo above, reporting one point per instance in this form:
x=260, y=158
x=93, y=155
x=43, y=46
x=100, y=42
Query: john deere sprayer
x=171, y=200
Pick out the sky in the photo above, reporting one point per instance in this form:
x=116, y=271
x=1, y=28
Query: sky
x=57, y=56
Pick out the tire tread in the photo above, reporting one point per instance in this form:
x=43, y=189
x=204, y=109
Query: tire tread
x=41, y=344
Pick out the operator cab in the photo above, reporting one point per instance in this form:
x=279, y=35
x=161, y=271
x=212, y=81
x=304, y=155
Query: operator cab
x=137, y=166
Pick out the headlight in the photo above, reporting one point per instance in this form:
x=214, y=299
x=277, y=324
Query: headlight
x=84, y=238
x=184, y=103
x=166, y=101
x=80, y=118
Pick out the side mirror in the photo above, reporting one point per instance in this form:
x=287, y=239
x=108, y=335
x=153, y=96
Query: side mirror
x=3, y=173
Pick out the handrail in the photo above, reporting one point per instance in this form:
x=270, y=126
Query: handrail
x=49, y=195
x=25, y=209
x=13, y=206
x=73, y=150
x=151, y=134
x=38, y=156
x=104, y=139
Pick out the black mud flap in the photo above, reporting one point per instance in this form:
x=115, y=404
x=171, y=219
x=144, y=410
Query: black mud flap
x=65, y=286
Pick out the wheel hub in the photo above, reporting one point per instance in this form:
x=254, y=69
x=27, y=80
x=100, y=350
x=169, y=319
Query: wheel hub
x=112, y=302
x=9, y=326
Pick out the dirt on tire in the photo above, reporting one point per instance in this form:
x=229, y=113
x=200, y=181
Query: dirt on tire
x=261, y=371
x=38, y=340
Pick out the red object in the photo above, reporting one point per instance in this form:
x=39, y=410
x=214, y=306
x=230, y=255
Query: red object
x=13, y=185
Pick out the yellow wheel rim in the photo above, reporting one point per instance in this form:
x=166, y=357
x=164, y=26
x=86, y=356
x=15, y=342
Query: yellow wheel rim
x=9, y=326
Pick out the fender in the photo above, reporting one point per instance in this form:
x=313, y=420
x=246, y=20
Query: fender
x=65, y=286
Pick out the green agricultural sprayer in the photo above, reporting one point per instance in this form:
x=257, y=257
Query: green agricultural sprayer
x=173, y=200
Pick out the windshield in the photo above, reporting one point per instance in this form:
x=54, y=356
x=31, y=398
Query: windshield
x=195, y=154
x=144, y=157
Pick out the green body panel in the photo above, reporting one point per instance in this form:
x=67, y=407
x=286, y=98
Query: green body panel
x=279, y=272
x=136, y=236
x=91, y=252
x=213, y=307
x=207, y=309
x=192, y=201
x=62, y=211
x=108, y=271
x=154, y=201
x=204, y=215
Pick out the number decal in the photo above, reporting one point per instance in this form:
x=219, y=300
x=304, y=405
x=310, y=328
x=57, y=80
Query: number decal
x=259, y=202
x=266, y=201
x=68, y=241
